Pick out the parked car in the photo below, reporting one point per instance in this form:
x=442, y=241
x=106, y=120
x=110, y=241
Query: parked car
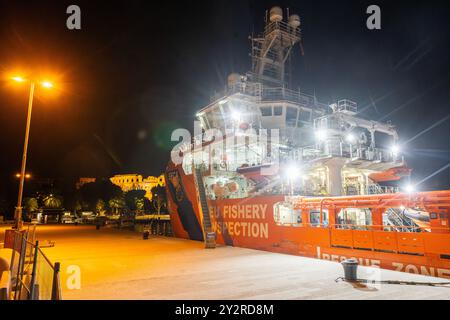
x=68, y=217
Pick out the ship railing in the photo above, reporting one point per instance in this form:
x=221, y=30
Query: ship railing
x=285, y=94
x=377, y=189
x=281, y=26
x=333, y=149
x=253, y=89
x=396, y=228
x=343, y=226
x=262, y=93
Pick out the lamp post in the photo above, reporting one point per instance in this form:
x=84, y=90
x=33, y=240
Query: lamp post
x=18, y=212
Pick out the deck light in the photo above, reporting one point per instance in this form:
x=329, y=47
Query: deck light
x=350, y=138
x=395, y=149
x=236, y=115
x=409, y=188
x=293, y=172
x=321, y=135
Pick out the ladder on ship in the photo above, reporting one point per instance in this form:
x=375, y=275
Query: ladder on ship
x=208, y=234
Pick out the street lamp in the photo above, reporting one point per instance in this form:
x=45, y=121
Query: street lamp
x=47, y=85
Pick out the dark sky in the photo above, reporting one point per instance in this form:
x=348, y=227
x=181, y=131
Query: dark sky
x=138, y=69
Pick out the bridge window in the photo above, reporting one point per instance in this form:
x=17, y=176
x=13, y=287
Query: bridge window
x=305, y=115
x=277, y=111
x=291, y=116
x=266, y=111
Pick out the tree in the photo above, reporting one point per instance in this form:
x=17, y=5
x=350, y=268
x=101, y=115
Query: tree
x=100, y=189
x=31, y=205
x=52, y=201
x=159, y=198
x=78, y=206
x=100, y=207
x=134, y=200
x=117, y=204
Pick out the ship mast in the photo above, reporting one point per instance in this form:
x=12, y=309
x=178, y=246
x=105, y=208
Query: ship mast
x=271, y=50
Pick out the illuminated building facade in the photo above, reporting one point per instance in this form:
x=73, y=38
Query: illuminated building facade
x=129, y=182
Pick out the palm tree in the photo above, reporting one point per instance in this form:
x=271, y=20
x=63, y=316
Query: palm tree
x=52, y=202
x=31, y=205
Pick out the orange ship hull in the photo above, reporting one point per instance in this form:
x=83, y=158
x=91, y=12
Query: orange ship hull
x=250, y=223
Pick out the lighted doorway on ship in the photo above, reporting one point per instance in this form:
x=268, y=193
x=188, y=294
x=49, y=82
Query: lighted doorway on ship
x=354, y=218
x=285, y=215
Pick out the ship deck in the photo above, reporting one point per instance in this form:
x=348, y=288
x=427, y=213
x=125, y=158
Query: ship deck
x=118, y=264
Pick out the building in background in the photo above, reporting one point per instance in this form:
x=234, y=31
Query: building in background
x=128, y=182
x=82, y=181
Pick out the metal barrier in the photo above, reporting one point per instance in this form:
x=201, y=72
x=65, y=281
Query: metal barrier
x=33, y=275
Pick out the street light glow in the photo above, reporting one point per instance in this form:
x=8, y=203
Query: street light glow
x=27, y=175
x=18, y=79
x=47, y=84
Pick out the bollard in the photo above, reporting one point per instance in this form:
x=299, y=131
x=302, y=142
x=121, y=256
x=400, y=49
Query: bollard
x=210, y=241
x=350, y=269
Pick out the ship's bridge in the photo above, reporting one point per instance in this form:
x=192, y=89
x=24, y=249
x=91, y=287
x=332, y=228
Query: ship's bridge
x=251, y=105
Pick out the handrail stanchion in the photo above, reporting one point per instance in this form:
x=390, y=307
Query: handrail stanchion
x=23, y=247
x=56, y=294
x=33, y=273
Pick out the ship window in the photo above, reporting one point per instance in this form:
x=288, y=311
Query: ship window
x=314, y=218
x=266, y=111
x=291, y=116
x=305, y=115
x=277, y=111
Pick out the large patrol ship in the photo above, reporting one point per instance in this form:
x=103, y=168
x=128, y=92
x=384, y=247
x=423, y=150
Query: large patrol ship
x=272, y=168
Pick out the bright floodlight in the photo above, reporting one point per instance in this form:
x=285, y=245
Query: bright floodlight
x=350, y=138
x=236, y=115
x=18, y=79
x=395, y=149
x=321, y=134
x=47, y=84
x=293, y=172
x=409, y=188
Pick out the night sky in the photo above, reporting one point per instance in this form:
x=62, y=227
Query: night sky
x=138, y=69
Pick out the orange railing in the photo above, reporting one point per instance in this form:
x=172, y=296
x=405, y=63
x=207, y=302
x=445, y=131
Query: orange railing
x=377, y=238
x=382, y=238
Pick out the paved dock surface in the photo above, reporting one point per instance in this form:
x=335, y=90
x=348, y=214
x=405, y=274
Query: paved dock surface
x=118, y=264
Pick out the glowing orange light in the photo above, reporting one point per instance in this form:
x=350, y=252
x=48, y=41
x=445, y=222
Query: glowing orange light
x=18, y=79
x=47, y=84
x=27, y=175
